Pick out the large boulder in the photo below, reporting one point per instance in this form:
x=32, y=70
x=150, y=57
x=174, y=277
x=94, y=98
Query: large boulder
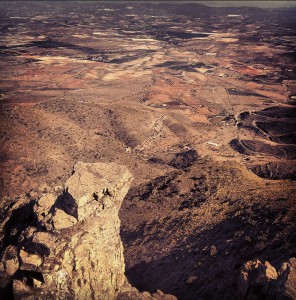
x=70, y=247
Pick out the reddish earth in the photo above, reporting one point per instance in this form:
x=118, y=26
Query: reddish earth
x=205, y=124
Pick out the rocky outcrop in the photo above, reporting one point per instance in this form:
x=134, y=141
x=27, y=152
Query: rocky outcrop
x=69, y=245
x=262, y=281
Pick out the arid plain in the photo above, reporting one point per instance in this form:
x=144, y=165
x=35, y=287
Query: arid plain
x=197, y=102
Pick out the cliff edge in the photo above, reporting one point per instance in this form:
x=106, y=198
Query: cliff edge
x=68, y=246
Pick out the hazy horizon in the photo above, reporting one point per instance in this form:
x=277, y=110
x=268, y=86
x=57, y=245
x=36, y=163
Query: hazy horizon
x=212, y=3
x=262, y=4
x=233, y=3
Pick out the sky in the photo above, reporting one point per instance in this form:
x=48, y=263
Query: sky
x=262, y=4
x=219, y=3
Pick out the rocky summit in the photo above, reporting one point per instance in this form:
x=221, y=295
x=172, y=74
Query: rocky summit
x=68, y=246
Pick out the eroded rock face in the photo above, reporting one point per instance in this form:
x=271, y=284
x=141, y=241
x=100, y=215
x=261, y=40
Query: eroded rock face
x=287, y=279
x=70, y=248
x=262, y=281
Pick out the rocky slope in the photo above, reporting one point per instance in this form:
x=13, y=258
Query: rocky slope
x=200, y=225
x=68, y=246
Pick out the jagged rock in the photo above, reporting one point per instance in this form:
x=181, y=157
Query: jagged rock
x=29, y=262
x=22, y=291
x=287, y=279
x=71, y=247
x=44, y=204
x=84, y=261
x=8, y=265
x=257, y=280
x=42, y=208
x=62, y=220
x=86, y=189
x=41, y=243
x=262, y=281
